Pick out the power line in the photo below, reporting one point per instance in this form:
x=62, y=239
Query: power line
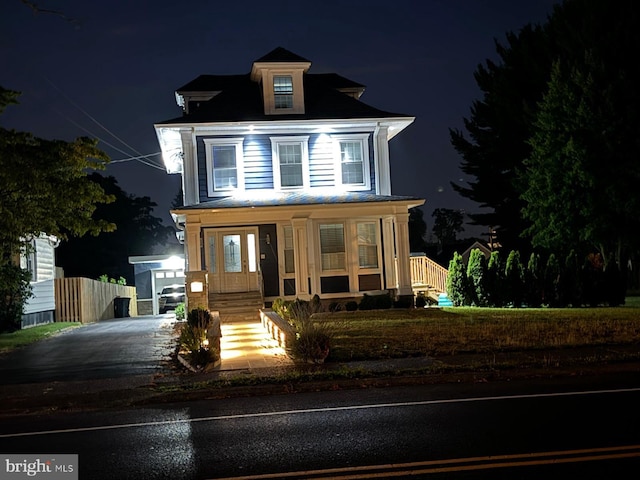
x=159, y=167
x=150, y=164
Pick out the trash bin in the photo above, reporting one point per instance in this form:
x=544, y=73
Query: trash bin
x=121, y=307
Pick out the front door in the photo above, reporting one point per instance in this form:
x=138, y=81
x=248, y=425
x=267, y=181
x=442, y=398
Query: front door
x=231, y=259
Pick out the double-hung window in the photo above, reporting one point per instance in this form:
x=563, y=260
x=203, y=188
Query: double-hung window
x=283, y=91
x=352, y=166
x=224, y=165
x=367, y=245
x=290, y=162
x=332, y=246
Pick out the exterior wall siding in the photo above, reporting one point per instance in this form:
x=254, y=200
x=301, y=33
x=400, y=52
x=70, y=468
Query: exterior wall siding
x=258, y=169
x=321, y=162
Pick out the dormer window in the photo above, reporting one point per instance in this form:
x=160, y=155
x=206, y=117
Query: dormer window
x=283, y=91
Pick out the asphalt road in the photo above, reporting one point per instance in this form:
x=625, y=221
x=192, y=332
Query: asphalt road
x=582, y=427
x=116, y=348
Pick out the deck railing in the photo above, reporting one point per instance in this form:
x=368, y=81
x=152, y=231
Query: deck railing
x=425, y=273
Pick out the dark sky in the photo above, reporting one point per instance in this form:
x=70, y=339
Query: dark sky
x=109, y=69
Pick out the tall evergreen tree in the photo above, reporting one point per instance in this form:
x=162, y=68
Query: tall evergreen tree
x=476, y=277
x=457, y=285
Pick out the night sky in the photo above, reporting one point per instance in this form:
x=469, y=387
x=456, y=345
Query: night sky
x=109, y=69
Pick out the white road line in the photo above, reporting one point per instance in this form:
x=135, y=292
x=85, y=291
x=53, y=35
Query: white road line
x=322, y=410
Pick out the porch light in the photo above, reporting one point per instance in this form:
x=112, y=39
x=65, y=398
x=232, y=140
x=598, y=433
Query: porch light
x=196, y=287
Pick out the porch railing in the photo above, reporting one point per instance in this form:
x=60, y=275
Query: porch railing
x=427, y=274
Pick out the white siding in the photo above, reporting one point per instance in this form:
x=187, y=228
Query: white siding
x=43, y=299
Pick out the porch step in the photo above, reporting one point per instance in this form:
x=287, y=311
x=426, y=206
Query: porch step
x=237, y=307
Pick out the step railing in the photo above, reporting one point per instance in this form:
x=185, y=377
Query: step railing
x=425, y=273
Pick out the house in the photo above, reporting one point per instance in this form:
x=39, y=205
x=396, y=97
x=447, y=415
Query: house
x=39, y=260
x=476, y=246
x=286, y=181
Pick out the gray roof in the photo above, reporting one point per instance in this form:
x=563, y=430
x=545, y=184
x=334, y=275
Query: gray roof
x=298, y=198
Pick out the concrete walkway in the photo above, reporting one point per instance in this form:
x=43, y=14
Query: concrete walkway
x=247, y=346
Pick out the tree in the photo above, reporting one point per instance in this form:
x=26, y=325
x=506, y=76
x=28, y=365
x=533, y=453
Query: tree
x=514, y=279
x=457, y=286
x=589, y=48
x=447, y=224
x=43, y=188
x=476, y=277
x=137, y=232
x=495, y=144
x=417, y=230
x=495, y=280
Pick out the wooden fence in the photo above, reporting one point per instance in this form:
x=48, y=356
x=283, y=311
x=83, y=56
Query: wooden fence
x=86, y=301
x=427, y=274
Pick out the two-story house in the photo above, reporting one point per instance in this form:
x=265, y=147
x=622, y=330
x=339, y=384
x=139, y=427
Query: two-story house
x=286, y=181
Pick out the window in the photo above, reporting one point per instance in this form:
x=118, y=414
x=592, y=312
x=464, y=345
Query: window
x=332, y=246
x=290, y=162
x=224, y=165
x=367, y=245
x=289, y=259
x=283, y=91
x=352, y=153
x=225, y=172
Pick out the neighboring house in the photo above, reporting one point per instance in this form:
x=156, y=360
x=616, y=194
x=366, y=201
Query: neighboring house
x=40, y=262
x=152, y=274
x=476, y=245
x=286, y=181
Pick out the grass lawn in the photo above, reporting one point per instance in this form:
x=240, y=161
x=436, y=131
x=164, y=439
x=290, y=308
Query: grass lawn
x=19, y=338
x=396, y=333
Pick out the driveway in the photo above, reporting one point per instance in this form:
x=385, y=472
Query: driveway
x=118, y=348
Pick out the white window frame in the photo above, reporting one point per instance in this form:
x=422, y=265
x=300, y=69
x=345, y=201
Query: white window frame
x=363, y=140
x=377, y=239
x=288, y=94
x=237, y=142
x=303, y=141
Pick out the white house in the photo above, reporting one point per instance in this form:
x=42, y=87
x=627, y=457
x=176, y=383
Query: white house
x=40, y=262
x=286, y=181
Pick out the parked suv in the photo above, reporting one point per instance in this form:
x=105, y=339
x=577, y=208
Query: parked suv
x=170, y=297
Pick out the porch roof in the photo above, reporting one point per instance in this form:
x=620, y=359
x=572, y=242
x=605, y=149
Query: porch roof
x=288, y=199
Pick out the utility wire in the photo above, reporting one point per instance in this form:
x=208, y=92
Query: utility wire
x=103, y=127
x=150, y=164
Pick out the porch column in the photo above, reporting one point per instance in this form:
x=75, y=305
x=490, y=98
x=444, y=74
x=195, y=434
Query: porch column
x=403, y=255
x=389, y=253
x=300, y=247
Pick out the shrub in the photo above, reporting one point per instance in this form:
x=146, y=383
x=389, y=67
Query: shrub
x=457, y=281
x=180, y=312
x=199, y=317
x=514, y=279
x=476, y=275
x=194, y=339
x=533, y=281
x=335, y=307
x=494, y=280
x=15, y=290
x=312, y=342
x=351, y=306
x=376, y=302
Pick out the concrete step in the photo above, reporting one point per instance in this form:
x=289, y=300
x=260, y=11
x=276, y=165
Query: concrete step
x=236, y=307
